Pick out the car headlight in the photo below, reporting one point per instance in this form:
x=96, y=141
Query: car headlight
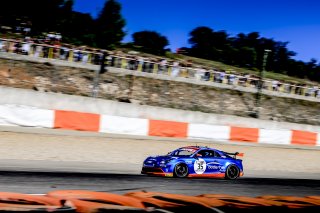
x=168, y=161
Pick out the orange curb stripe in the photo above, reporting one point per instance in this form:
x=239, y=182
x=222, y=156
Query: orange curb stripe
x=152, y=199
x=240, y=201
x=166, y=200
x=244, y=134
x=168, y=129
x=19, y=198
x=92, y=196
x=303, y=138
x=76, y=121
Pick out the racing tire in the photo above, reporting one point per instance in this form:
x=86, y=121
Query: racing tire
x=232, y=172
x=181, y=170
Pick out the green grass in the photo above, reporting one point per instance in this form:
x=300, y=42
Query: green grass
x=228, y=68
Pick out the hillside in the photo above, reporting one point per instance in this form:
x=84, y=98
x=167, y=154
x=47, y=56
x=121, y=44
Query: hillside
x=154, y=90
x=184, y=59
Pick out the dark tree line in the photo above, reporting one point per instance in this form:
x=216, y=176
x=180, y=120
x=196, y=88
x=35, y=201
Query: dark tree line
x=151, y=42
x=106, y=31
x=247, y=50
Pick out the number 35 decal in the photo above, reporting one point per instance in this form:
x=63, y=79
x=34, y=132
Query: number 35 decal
x=200, y=166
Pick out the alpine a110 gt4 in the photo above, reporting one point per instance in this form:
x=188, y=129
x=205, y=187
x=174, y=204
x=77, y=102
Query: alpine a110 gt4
x=195, y=161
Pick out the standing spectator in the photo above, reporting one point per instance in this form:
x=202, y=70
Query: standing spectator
x=222, y=75
x=217, y=76
x=38, y=51
x=199, y=73
x=231, y=78
x=140, y=64
x=207, y=75
x=275, y=85
x=76, y=55
x=110, y=60
x=25, y=49
x=45, y=51
x=1, y=46
x=85, y=57
x=64, y=50
x=316, y=91
x=175, y=69
x=163, y=65
x=131, y=63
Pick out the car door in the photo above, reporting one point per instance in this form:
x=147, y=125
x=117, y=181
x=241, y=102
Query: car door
x=212, y=162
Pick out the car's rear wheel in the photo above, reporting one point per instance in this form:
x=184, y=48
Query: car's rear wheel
x=232, y=172
x=181, y=170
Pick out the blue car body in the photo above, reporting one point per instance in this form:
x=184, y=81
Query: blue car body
x=194, y=161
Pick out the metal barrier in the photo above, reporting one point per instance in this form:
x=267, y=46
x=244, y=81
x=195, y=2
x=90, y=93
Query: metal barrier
x=137, y=63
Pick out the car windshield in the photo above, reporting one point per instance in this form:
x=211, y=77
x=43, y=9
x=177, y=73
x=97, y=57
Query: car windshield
x=182, y=152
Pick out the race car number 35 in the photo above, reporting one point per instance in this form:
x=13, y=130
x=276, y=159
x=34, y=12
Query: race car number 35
x=200, y=166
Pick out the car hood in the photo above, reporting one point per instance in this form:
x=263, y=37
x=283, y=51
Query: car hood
x=156, y=161
x=160, y=158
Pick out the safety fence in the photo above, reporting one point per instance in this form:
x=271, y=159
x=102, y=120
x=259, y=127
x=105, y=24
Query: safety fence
x=20, y=115
x=85, y=201
x=86, y=55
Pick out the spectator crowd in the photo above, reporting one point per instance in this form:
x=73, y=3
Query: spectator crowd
x=51, y=47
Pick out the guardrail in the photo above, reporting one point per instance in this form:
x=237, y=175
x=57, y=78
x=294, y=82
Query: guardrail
x=140, y=64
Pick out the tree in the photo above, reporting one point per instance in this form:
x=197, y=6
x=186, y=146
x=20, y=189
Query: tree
x=201, y=40
x=42, y=13
x=110, y=25
x=46, y=18
x=81, y=30
x=150, y=41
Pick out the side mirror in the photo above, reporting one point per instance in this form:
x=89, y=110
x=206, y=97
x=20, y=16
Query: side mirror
x=196, y=156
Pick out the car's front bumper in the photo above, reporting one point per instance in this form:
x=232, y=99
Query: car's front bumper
x=155, y=171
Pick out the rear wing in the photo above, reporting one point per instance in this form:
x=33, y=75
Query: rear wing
x=235, y=154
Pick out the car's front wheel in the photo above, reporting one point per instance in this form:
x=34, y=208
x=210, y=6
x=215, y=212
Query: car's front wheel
x=232, y=172
x=181, y=170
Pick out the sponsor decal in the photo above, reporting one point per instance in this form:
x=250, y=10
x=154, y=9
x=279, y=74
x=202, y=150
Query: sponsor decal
x=188, y=161
x=200, y=166
x=213, y=165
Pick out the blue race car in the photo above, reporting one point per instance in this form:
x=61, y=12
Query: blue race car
x=195, y=161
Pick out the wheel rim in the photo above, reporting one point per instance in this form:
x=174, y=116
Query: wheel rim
x=181, y=170
x=233, y=172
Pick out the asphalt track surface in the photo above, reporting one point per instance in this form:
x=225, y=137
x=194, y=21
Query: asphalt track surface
x=40, y=177
x=43, y=182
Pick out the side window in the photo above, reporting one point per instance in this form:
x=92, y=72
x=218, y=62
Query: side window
x=201, y=153
x=208, y=153
x=217, y=155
